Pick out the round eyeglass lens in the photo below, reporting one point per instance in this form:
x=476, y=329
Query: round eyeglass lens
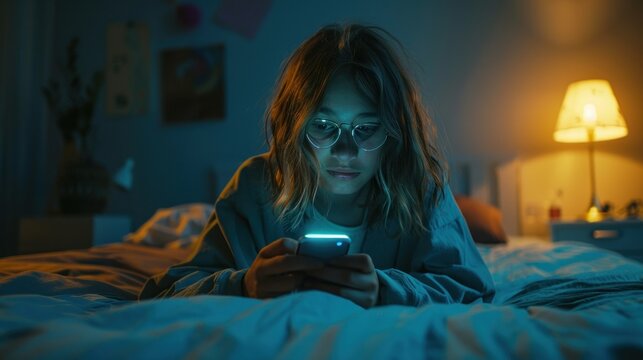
x=369, y=136
x=322, y=133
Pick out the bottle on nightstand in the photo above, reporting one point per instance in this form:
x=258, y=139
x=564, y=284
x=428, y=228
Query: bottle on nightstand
x=555, y=207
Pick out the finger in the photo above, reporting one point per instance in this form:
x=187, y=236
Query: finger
x=282, y=284
x=342, y=277
x=356, y=296
x=360, y=262
x=289, y=263
x=278, y=247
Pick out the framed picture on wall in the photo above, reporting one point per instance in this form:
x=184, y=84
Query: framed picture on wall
x=128, y=69
x=193, y=84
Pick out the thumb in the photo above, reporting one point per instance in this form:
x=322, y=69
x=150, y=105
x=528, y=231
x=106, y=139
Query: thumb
x=281, y=246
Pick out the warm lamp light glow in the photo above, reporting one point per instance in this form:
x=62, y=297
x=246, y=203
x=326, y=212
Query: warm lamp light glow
x=593, y=214
x=589, y=105
x=590, y=113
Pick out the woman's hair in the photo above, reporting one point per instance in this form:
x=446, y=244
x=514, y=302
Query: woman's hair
x=410, y=163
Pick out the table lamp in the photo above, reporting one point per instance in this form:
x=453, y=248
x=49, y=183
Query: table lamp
x=590, y=113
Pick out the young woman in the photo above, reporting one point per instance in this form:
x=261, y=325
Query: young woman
x=352, y=151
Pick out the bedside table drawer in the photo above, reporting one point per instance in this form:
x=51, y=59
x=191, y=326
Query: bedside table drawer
x=624, y=236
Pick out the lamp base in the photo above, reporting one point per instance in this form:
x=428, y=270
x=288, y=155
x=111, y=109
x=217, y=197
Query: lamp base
x=594, y=214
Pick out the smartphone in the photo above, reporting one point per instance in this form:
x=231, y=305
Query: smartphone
x=324, y=246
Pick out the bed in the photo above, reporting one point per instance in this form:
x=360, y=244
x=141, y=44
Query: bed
x=562, y=300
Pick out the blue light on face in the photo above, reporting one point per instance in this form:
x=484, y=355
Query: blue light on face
x=339, y=243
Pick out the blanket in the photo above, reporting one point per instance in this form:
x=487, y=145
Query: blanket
x=554, y=301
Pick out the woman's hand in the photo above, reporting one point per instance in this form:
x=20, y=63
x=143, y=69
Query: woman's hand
x=277, y=270
x=352, y=277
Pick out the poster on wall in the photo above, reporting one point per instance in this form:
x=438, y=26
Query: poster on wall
x=192, y=84
x=242, y=16
x=128, y=69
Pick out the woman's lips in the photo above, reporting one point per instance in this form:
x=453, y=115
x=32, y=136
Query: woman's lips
x=343, y=174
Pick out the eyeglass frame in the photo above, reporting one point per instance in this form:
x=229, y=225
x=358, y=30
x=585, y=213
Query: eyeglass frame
x=339, y=126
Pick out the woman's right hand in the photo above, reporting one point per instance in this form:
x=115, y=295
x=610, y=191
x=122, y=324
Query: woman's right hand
x=277, y=270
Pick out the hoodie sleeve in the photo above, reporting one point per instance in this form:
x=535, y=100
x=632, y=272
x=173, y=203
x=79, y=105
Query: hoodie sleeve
x=445, y=265
x=226, y=248
x=210, y=270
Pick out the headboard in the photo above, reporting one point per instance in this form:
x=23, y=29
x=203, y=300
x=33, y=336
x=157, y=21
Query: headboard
x=491, y=181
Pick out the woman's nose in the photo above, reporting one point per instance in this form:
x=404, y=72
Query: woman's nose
x=345, y=148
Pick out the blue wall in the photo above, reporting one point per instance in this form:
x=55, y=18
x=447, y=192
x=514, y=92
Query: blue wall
x=493, y=81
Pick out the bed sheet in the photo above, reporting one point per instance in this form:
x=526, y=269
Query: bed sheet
x=116, y=270
x=527, y=267
x=554, y=301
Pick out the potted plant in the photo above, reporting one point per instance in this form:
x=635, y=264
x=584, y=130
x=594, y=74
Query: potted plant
x=82, y=183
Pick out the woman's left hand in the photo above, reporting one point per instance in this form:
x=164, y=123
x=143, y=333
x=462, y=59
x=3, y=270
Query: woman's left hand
x=352, y=277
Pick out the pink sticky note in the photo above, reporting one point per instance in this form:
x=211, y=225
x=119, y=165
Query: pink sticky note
x=242, y=16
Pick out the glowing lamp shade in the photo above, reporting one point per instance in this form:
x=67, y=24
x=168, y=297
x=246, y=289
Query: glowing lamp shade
x=589, y=110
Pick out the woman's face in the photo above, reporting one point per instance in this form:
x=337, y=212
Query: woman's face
x=345, y=167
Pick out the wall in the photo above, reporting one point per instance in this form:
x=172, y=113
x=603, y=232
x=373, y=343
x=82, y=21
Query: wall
x=493, y=74
x=543, y=176
x=25, y=50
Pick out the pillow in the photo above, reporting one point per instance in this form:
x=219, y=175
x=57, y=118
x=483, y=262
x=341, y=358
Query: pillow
x=175, y=227
x=484, y=220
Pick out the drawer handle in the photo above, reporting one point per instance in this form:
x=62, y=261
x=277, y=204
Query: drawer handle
x=605, y=234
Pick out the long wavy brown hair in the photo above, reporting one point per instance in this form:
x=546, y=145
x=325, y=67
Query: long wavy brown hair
x=411, y=169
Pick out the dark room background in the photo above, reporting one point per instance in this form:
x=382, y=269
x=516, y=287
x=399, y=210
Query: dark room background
x=493, y=74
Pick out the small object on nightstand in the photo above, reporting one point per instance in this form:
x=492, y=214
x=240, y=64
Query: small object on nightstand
x=622, y=236
x=555, y=208
x=59, y=233
x=632, y=209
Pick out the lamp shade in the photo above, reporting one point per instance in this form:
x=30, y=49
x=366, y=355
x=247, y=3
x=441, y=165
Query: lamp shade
x=589, y=105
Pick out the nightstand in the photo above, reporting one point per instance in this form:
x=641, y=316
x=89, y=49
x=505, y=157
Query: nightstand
x=58, y=233
x=622, y=236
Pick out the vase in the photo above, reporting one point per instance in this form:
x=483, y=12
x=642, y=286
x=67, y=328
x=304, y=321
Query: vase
x=83, y=184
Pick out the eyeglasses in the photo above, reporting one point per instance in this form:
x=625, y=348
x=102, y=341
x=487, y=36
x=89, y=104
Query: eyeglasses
x=323, y=133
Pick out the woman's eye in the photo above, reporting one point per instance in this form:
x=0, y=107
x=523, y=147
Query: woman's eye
x=367, y=130
x=321, y=125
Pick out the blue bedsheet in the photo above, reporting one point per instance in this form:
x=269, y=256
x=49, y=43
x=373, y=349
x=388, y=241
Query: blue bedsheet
x=554, y=301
